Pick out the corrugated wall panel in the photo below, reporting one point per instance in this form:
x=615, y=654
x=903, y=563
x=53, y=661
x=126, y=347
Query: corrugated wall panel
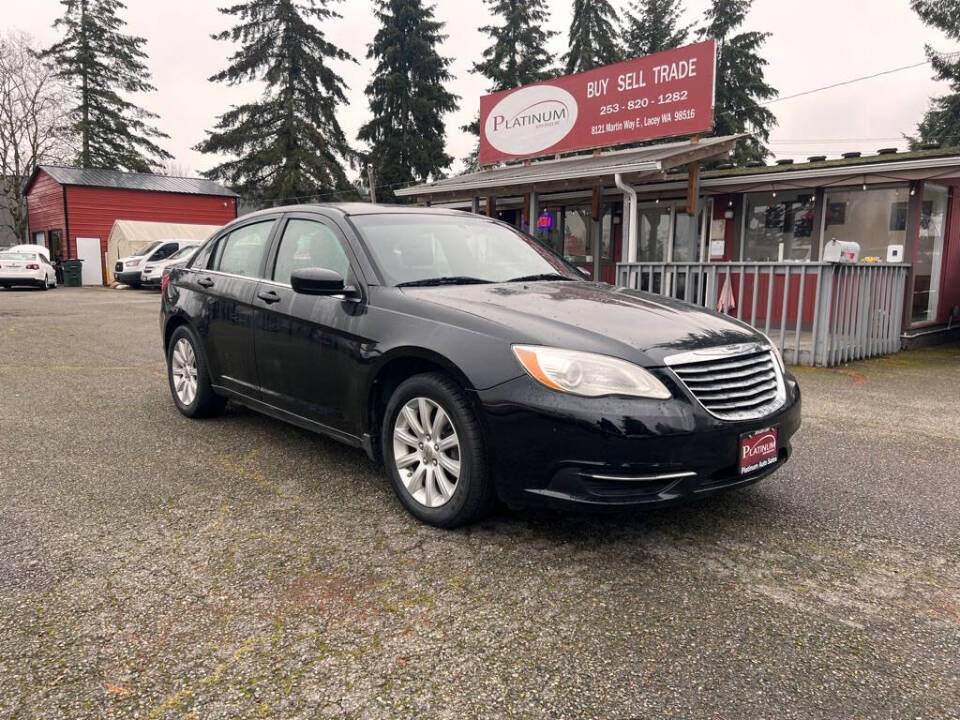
x=92, y=211
x=45, y=205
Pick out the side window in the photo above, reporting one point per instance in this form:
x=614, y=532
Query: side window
x=308, y=244
x=241, y=252
x=165, y=251
x=202, y=259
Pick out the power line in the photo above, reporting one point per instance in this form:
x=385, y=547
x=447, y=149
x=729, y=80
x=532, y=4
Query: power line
x=803, y=141
x=845, y=82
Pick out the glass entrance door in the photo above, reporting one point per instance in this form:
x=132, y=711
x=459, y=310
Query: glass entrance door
x=928, y=262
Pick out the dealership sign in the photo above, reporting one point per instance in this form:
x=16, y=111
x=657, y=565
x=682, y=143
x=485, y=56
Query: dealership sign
x=662, y=95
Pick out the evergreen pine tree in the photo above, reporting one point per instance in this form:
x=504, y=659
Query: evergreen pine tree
x=407, y=97
x=654, y=25
x=593, y=38
x=99, y=63
x=518, y=55
x=941, y=122
x=740, y=81
x=288, y=145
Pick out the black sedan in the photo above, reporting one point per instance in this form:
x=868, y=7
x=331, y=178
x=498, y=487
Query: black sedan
x=473, y=362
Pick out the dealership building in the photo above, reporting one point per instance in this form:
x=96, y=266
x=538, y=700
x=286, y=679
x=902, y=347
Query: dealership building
x=752, y=240
x=835, y=259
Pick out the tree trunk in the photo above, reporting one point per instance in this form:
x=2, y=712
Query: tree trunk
x=85, y=90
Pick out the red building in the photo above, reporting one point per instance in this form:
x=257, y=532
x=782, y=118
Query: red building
x=65, y=204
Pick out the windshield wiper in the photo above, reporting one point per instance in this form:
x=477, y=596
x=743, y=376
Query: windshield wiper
x=541, y=276
x=450, y=280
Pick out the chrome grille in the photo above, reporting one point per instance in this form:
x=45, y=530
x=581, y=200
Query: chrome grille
x=733, y=382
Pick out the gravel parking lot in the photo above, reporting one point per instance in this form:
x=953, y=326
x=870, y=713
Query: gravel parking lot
x=157, y=567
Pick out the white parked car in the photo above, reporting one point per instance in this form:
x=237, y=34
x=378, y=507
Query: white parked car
x=152, y=272
x=128, y=270
x=26, y=268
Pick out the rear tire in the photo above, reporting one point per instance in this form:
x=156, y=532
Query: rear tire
x=442, y=476
x=189, y=377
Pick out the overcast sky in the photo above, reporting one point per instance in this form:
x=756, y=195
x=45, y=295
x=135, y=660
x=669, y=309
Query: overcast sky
x=813, y=43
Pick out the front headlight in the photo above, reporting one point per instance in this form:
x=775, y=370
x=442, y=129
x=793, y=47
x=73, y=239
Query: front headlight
x=588, y=374
x=776, y=352
x=133, y=263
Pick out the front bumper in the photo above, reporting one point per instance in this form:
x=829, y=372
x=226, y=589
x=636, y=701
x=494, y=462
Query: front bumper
x=130, y=277
x=558, y=450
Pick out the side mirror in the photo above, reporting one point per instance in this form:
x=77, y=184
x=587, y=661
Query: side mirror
x=318, y=281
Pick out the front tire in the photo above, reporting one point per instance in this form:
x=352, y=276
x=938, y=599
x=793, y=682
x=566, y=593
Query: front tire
x=189, y=377
x=434, y=452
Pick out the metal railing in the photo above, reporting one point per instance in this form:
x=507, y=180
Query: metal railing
x=817, y=313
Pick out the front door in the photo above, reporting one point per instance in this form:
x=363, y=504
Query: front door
x=306, y=345
x=227, y=285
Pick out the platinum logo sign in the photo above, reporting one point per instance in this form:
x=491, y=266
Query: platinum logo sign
x=758, y=450
x=667, y=94
x=531, y=120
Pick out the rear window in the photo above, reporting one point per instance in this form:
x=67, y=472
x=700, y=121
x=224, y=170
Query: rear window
x=18, y=256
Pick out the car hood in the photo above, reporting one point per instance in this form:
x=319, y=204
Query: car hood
x=594, y=317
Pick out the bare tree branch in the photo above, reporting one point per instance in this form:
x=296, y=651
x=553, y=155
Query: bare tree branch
x=32, y=129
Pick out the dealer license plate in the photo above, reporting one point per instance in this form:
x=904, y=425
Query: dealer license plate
x=758, y=450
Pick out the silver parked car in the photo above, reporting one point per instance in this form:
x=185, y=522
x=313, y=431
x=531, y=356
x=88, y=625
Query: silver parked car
x=154, y=270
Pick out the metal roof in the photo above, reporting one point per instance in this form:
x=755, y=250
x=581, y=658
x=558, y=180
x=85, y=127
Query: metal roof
x=869, y=170
x=634, y=164
x=96, y=177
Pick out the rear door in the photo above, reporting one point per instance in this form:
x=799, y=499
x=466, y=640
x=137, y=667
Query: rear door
x=307, y=346
x=226, y=285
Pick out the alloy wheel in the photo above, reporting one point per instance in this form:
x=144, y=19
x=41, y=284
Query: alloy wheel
x=183, y=366
x=426, y=450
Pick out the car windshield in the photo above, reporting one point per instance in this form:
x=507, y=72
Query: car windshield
x=147, y=248
x=423, y=249
x=18, y=256
x=183, y=253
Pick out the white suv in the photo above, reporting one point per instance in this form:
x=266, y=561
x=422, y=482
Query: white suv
x=129, y=269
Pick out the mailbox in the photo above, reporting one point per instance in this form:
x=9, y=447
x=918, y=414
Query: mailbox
x=841, y=251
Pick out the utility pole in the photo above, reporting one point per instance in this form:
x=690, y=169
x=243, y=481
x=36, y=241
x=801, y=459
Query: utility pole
x=370, y=179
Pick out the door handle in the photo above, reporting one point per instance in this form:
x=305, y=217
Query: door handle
x=269, y=296
x=205, y=282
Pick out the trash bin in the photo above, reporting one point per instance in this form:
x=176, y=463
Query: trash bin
x=72, y=272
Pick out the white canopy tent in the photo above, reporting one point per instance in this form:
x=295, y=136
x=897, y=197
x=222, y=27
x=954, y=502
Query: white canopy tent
x=127, y=236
